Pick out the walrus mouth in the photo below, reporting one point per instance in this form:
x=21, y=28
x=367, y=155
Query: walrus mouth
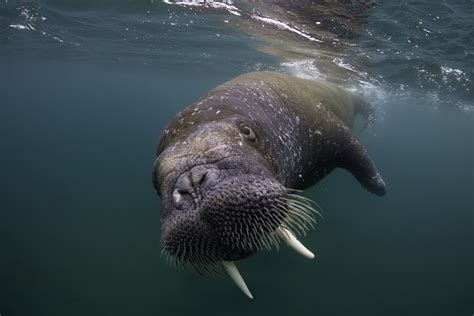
x=240, y=216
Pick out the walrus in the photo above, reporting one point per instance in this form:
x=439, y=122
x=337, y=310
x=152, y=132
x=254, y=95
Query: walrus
x=228, y=167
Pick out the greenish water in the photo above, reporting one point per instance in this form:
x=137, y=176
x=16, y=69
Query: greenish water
x=79, y=219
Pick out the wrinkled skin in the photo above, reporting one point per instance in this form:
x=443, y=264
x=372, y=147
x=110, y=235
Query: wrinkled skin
x=224, y=164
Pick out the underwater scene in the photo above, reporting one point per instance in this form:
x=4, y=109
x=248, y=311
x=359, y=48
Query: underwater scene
x=90, y=194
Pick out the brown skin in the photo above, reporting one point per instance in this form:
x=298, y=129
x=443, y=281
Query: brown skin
x=224, y=163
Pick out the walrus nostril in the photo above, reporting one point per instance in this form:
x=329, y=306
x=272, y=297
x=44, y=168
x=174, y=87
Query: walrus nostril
x=177, y=199
x=198, y=175
x=183, y=187
x=189, y=185
x=184, y=184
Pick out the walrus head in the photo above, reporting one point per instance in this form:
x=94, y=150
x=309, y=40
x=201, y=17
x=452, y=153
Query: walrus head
x=220, y=199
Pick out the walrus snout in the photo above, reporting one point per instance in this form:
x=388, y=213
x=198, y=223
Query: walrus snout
x=236, y=217
x=214, y=219
x=189, y=186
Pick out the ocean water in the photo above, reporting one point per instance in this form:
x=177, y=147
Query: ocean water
x=86, y=88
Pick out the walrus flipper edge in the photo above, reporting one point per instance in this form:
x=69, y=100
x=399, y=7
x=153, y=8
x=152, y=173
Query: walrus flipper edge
x=354, y=158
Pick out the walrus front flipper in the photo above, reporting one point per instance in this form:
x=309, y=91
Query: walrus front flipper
x=355, y=159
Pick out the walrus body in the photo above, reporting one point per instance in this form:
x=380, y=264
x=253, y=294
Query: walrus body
x=307, y=126
x=225, y=164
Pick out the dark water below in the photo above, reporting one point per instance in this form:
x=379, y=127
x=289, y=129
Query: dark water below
x=82, y=106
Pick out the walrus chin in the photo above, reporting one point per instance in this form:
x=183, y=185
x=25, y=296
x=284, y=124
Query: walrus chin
x=241, y=215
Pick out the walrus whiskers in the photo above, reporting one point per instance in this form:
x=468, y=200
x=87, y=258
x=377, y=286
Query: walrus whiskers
x=288, y=214
x=291, y=214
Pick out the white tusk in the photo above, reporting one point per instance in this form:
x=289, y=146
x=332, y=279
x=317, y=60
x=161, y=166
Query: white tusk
x=234, y=274
x=294, y=243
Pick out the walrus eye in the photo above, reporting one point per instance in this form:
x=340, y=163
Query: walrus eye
x=247, y=131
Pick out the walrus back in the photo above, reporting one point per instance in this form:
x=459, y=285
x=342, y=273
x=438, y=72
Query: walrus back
x=306, y=94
